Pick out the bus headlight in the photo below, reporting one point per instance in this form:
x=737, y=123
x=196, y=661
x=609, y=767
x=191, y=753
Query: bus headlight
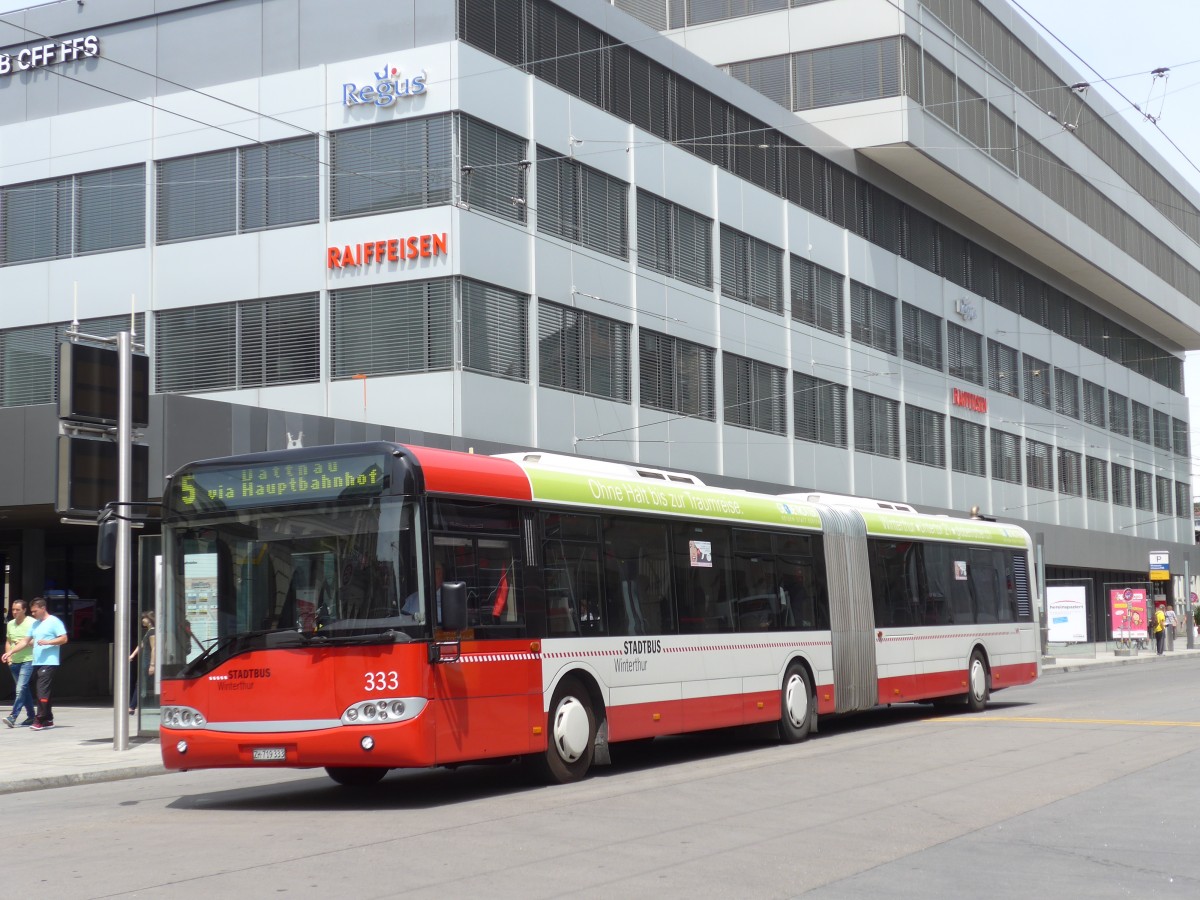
x=384, y=711
x=182, y=717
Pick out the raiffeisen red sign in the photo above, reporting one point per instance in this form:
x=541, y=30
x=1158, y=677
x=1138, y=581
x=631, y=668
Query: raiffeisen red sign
x=970, y=401
x=387, y=250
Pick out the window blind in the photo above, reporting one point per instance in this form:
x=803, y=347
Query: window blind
x=494, y=330
x=391, y=329
x=819, y=410
x=197, y=196
x=754, y=394
x=676, y=375
x=405, y=164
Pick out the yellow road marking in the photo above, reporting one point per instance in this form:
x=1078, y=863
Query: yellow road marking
x=1057, y=721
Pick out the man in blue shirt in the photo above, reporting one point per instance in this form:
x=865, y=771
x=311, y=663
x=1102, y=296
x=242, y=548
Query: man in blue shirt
x=47, y=636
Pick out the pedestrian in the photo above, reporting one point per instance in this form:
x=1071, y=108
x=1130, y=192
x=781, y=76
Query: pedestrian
x=147, y=661
x=20, y=663
x=1160, y=628
x=46, y=636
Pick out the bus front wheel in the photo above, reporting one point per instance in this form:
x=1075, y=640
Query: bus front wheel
x=570, y=734
x=795, y=719
x=353, y=776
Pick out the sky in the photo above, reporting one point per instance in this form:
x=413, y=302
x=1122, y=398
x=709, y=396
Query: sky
x=1121, y=43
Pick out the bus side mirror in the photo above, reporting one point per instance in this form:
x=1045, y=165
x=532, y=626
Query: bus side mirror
x=106, y=542
x=454, y=605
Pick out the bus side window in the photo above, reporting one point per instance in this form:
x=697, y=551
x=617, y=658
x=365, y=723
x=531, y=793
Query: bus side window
x=636, y=579
x=571, y=566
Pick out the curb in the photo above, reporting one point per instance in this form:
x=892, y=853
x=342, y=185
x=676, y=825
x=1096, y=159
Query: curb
x=1106, y=663
x=71, y=779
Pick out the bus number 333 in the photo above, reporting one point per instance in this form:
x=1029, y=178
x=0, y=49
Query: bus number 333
x=381, y=681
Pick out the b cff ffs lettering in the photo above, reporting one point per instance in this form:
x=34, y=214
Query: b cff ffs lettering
x=48, y=54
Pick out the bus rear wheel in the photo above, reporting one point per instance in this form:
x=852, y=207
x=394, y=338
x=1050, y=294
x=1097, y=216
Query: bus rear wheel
x=570, y=734
x=978, y=687
x=795, y=718
x=353, y=776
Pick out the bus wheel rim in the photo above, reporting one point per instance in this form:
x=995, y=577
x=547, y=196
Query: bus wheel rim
x=797, y=701
x=978, y=678
x=571, y=729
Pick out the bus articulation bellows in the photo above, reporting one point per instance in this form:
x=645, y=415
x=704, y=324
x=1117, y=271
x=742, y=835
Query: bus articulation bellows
x=374, y=606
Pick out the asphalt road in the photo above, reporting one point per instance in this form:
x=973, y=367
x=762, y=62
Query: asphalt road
x=1083, y=785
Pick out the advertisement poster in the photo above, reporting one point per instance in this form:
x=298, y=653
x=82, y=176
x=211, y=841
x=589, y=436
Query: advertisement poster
x=1128, y=606
x=1066, y=612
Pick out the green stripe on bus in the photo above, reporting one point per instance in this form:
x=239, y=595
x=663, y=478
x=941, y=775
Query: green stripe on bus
x=923, y=527
x=618, y=493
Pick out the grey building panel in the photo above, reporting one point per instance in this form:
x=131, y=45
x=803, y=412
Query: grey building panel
x=281, y=36
x=40, y=438
x=195, y=44
x=12, y=456
x=335, y=31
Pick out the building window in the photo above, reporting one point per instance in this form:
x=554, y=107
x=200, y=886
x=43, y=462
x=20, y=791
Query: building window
x=227, y=346
x=494, y=330
x=1141, y=421
x=1118, y=413
x=872, y=318
x=1066, y=393
x=676, y=375
x=1143, y=490
x=1037, y=381
x=1093, y=405
x=1070, y=473
x=238, y=190
x=922, y=337
x=1162, y=430
x=1006, y=456
x=1122, y=485
x=392, y=329
x=1097, y=479
x=964, y=352
x=582, y=205
x=29, y=358
x=494, y=168
x=851, y=73
x=755, y=394
x=751, y=270
x=1163, y=489
x=73, y=215
x=1003, y=372
x=1039, y=471
x=819, y=410
x=925, y=436
x=966, y=447
x=817, y=296
x=674, y=240
x=1183, y=500
x=876, y=425
x=582, y=353
x=1179, y=429
x=405, y=164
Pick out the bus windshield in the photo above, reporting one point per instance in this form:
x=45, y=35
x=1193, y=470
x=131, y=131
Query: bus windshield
x=259, y=578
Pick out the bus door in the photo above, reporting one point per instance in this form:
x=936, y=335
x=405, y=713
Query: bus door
x=488, y=700
x=852, y=621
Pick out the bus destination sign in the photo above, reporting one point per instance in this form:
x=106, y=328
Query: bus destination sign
x=240, y=487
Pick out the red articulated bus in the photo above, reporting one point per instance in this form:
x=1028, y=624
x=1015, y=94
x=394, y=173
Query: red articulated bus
x=373, y=606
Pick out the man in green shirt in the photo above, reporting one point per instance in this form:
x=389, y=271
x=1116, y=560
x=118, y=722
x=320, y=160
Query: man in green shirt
x=19, y=663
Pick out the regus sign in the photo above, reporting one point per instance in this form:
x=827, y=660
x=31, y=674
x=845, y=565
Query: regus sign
x=48, y=54
x=386, y=90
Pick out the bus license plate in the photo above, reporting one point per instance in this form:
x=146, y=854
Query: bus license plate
x=268, y=754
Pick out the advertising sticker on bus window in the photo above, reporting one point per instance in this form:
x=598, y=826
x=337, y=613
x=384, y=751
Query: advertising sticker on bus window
x=700, y=554
x=960, y=570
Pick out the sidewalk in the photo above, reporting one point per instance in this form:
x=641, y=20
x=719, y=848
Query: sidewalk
x=79, y=749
